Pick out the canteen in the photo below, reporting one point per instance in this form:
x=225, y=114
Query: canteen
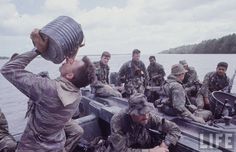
x=65, y=36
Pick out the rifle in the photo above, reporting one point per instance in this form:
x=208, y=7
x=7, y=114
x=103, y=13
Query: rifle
x=157, y=137
x=231, y=82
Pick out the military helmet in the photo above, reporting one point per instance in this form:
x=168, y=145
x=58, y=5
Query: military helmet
x=139, y=105
x=178, y=69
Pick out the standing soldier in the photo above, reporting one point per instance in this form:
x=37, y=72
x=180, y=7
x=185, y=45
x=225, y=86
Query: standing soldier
x=55, y=100
x=102, y=88
x=130, y=129
x=213, y=81
x=134, y=74
x=191, y=83
x=102, y=68
x=156, y=72
x=7, y=142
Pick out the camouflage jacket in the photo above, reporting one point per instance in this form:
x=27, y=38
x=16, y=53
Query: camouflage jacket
x=3, y=126
x=177, y=96
x=134, y=72
x=6, y=140
x=213, y=82
x=156, y=73
x=190, y=77
x=102, y=72
x=125, y=134
x=45, y=127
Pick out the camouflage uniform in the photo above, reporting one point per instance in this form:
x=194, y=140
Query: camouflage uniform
x=212, y=82
x=156, y=74
x=101, y=88
x=174, y=97
x=134, y=74
x=72, y=130
x=191, y=83
x=7, y=142
x=129, y=136
x=102, y=72
x=55, y=103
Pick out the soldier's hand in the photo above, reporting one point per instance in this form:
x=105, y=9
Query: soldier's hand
x=199, y=119
x=159, y=149
x=40, y=43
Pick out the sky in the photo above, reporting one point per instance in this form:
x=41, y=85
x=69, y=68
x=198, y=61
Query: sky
x=119, y=26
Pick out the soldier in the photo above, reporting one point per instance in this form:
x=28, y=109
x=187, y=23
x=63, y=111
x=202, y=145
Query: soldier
x=134, y=74
x=102, y=68
x=101, y=87
x=7, y=142
x=156, y=72
x=130, y=129
x=173, y=100
x=191, y=83
x=55, y=100
x=213, y=81
x=73, y=131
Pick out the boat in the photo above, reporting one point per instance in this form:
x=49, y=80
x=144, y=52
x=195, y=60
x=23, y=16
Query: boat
x=94, y=115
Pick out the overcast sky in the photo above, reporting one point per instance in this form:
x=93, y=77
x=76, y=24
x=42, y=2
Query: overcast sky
x=119, y=26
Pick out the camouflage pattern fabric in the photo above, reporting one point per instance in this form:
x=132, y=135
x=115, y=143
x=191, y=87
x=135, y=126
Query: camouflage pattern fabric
x=45, y=128
x=212, y=82
x=191, y=82
x=156, y=74
x=135, y=74
x=7, y=142
x=128, y=136
x=102, y=72
x=176, y=96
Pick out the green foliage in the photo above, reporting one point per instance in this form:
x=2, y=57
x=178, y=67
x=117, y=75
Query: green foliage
x=224, y=45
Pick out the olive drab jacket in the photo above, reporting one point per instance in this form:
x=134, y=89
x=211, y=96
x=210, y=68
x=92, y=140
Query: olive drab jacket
x=55, y=103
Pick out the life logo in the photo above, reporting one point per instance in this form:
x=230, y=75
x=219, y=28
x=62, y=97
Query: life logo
x=210, y=141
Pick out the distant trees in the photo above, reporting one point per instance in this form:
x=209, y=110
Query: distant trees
x=224, y=45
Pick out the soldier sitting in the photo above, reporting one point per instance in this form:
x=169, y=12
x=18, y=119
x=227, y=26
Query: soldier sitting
x=191, y=83
x=174, y=101
x=7, y=142
x=156, y=75
x=156, y=72
x=213, y=81
x=101, y=86
x=130, y=129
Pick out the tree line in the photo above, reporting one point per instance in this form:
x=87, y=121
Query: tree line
x=223, y=45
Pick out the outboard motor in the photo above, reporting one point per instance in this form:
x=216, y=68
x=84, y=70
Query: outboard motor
x=221, y=102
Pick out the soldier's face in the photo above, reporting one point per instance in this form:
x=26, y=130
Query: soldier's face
x=152, y=61
x=105, y=59
x=69, y=66
x=141, y=119
x=185, y=66
x=181, y=77
x=221, y=70
x=136, y=57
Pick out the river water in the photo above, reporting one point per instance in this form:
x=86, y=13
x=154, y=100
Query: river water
x=14, y=103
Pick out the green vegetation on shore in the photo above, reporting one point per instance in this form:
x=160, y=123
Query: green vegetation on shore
x=224, y=45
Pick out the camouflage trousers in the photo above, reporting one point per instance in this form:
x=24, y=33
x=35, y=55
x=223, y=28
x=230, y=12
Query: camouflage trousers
x=7, y=142
x=73, y=133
